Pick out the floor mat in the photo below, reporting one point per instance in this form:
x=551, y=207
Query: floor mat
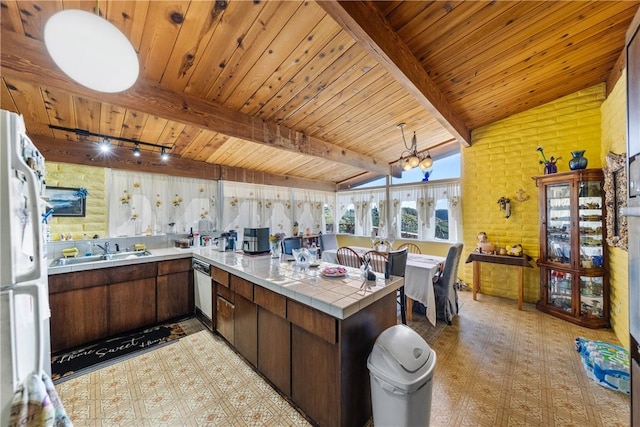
x=80, y=361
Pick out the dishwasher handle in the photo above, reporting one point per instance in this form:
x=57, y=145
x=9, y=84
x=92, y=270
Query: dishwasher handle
x=201, y=267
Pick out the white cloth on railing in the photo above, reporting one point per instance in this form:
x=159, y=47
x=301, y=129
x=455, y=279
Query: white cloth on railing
x=37, y=404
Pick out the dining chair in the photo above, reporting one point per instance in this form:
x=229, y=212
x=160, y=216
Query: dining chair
x=377, y=260
x=328, y=241
x=412, y=248
x=396, y=266
x=348, y=257
x=446, y=294
x=291, y=243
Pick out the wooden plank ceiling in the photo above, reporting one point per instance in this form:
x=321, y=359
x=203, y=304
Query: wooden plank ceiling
x=309, y=92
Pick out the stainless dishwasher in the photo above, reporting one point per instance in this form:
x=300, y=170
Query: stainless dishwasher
x=202, y=292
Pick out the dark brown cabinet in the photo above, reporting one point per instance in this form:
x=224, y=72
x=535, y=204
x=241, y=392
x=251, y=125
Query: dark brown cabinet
x=132, y=302
x=76, y=318
x=90, y=305
x=174, y=289
x=574, y=283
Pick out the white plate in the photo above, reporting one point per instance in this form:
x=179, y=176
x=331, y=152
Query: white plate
x=334, y=272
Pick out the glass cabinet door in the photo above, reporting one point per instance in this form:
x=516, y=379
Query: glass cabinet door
x=590, y=217
x=591, y=297
x=559, y=290
x=558, y=223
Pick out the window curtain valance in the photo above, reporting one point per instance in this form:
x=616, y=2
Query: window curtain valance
x=363, y=201
x=139, y=201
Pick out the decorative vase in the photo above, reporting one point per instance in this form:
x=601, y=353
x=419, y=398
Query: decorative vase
x=578, y=161
x=550, y=168
x=276, y=249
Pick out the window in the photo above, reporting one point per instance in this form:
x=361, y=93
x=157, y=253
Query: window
x=409, y=220
x=348, y=221
x=328, y=220
x=442, y=220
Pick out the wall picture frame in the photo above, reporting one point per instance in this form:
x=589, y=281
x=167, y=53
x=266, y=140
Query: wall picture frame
x=615, y=197
x=66, y=201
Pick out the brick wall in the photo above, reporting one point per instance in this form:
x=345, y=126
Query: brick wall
x=77, y=176
x=503, y=159
x=614, y=139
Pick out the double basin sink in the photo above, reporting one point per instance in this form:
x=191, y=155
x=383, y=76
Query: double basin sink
x=95, y=258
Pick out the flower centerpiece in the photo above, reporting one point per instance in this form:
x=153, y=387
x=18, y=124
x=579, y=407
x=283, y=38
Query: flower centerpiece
x=549, y=165
x=276, y=244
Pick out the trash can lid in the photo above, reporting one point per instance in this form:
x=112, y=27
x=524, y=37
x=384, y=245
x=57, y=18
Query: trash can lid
x=401, y=357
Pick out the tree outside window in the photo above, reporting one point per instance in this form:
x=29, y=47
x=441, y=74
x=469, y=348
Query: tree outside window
x=348, y=221
x=328, y=220
x=442, y=220
x=409, y=220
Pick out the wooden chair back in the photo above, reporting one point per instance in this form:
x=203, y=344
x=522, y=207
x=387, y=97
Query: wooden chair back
x=411, y=247
x=348, y=257
x=377, y=260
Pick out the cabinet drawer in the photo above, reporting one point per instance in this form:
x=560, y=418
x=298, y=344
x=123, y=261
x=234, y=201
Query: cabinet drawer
x=132, y=272
x=242, y=287
x=275, y=303
x=174, y=266
x=312, y=320
x=226, y=293
x=220, y=276
x=73, y=281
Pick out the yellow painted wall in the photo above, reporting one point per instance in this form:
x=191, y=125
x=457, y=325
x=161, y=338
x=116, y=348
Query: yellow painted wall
x=614, y=139
x=502, y=160
x=77, y=176
x=431, y=248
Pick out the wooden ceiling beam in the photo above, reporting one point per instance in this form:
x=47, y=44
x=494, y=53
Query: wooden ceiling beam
x=369, y=27
x=26, y=59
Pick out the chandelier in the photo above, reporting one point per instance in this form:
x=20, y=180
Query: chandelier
x=410, y=158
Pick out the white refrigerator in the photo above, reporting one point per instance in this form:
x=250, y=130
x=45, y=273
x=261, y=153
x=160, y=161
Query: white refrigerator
x=24, y=299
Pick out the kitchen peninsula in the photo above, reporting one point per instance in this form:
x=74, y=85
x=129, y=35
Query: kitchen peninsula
x=308, y=334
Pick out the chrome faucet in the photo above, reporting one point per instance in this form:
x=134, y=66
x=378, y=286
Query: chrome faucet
x=105, y=248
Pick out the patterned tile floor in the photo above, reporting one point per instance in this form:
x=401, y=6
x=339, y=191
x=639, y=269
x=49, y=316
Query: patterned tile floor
x=496, y=366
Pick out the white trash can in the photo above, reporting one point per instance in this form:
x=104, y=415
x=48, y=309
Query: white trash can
x=401, y=368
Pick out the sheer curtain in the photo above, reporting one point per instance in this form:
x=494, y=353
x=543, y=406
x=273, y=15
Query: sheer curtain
x=254, y=205
x=426, y=197
x=309, y=209
x=138, y=202
x=362, y=201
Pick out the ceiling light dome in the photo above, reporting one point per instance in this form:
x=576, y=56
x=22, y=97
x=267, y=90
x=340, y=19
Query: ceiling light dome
x=91, y=51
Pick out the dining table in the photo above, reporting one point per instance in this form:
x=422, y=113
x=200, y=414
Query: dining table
x=418, y=278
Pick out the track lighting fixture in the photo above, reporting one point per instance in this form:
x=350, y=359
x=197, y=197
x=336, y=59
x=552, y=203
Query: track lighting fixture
x=105, y=144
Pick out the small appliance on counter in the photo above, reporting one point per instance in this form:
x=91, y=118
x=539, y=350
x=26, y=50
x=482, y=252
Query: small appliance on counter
x=226, y=241
x=256, y=241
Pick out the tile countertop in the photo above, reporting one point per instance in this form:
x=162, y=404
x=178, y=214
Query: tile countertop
x=339, y=297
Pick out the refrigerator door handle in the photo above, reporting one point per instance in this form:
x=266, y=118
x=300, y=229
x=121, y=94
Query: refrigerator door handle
x=33, y=291
x=34, y=206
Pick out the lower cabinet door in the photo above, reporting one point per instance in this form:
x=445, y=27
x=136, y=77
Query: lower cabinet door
x=174, y=295
x=225, y=319
x=132, y=305
x=274, y=349
x=246, y=329
x=77, y=318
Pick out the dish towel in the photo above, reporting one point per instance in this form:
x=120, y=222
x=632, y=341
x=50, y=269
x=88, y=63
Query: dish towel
x=36, y=404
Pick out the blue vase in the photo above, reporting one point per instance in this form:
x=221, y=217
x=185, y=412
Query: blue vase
x=578, y=161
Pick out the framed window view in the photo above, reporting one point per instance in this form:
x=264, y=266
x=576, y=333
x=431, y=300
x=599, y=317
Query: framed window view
x=66, y=201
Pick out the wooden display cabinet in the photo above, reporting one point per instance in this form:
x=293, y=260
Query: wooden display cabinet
x=573, y=252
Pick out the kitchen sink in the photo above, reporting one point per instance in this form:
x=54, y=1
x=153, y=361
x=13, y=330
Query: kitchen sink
x=95, y=258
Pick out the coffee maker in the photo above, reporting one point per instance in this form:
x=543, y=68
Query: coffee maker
x=256, y=240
